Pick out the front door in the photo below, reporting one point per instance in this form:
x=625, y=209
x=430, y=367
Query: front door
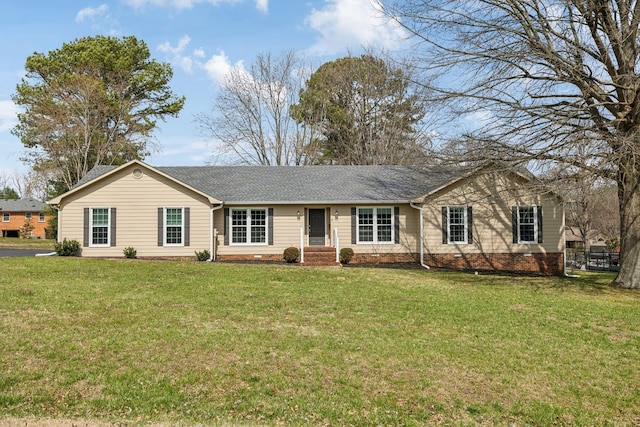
x=316, y=227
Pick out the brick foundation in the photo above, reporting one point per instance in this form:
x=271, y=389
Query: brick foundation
x=258, y=258
x=388, y=258
x=536, y=263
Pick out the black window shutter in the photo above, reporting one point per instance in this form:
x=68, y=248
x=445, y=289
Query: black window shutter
x=396, y=224
x=270, y=225
x=160, y=227
x=187, y=228
x=539, y=209
x=469, y=225
x=226, y=226
x=113, y=226
x=445, y=234
x=85, y=238
x=354, y=224
x=514, y=223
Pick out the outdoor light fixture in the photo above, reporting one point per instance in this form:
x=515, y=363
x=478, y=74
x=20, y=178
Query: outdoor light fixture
x=298, y=213
x=337, y=214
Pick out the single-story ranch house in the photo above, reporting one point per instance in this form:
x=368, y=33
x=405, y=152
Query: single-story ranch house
x=488, y=218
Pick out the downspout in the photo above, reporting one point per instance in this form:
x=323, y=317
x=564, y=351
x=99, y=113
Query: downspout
x=419, y=208
x=211, y=234
x=57, y=208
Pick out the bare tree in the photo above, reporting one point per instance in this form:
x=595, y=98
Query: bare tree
x=250, y=117
x=557, y=81
x=605, y=212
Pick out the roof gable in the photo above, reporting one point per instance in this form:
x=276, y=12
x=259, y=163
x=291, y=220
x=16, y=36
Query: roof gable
x=100, y=172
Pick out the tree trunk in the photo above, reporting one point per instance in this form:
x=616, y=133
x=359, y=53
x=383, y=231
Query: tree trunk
x=629, y=199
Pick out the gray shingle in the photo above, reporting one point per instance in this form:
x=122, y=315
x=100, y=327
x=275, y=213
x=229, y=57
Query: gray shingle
x=296, y=184
x=22, y=206
x=290, y=184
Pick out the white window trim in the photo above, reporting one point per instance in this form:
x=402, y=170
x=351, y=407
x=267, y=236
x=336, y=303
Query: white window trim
x=8, y=216
x=248, y=227
x=165, y=225
x=466, y=225
x=535, y=225
x=42, y=217
x=28, y=216
x=375, y=226
x=102, y=245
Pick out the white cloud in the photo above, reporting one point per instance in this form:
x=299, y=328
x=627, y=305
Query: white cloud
x=345, y=24
x=261, y=5
x=218, y=66
x=176, y=54
x=479, y=118
x=91, y=13
x=8, y=115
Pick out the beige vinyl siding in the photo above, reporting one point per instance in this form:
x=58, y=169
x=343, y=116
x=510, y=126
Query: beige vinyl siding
x=491, y=196
x=287, y=226
x=136, y=202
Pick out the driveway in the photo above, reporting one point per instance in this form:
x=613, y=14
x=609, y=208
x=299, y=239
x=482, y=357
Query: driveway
x=10, y=252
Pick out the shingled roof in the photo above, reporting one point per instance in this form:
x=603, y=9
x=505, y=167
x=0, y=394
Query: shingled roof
x=306, y=184
x=22, y=205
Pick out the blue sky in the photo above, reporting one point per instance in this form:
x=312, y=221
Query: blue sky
x=202, y=39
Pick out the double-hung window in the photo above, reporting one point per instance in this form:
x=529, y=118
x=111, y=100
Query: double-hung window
x=249, y=226
x=41, y=217
x=174, y=226
x=457, y=225
x=527, y=224
x=375, y=225
x=99, y=227
x=6, y=217
x=28, y=216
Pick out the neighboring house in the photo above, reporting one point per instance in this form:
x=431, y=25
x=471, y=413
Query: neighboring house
x=487, y=218
x=577, y=243
x=26, y=217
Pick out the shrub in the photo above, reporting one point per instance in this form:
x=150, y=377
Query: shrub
x=291, y=254
x=130, y=253
x=203, y=255
x=26, y=229
x=67, y=247
x=345, y=255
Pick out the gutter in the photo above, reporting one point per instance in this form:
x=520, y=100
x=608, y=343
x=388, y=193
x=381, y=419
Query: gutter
x=211, y=234
x=419, y=208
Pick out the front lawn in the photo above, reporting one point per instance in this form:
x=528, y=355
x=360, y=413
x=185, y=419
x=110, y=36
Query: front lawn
x=132, y=341
x=14, y=242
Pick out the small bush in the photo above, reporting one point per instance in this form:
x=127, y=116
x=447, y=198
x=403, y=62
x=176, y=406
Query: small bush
x=67, y=247
x=130, y=252
x=291, y=254
x=203, y=255
x=26, y=229
x=346, y=254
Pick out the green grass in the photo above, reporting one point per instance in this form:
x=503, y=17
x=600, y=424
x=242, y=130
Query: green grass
x=199, y=343
x=14, y=242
